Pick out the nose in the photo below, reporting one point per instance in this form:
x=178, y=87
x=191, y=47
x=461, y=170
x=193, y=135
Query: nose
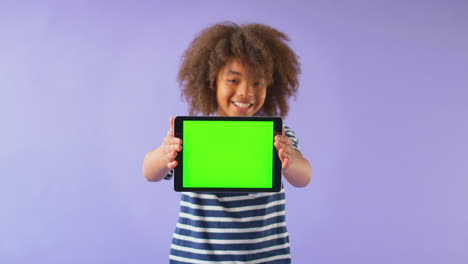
x=245, y=89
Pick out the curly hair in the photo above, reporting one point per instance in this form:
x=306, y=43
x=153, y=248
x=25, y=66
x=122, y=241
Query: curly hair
x=261, y=47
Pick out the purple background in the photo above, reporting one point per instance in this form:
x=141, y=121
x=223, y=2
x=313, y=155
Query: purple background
x=87, y=87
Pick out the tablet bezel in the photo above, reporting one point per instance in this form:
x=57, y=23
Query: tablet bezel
x=178, y=171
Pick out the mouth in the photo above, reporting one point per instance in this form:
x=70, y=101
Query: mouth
x=242, y=106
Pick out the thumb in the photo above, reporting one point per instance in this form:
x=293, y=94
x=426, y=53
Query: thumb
x=171, y=123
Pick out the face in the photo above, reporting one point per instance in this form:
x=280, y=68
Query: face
x=237, y=93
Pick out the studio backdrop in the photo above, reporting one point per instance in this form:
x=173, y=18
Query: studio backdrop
x=87, y=88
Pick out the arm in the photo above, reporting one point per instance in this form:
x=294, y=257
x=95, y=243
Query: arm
x=158, y=162
x=296, y=169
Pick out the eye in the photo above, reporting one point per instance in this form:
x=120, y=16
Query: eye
x=233, y=81
x=259, y=84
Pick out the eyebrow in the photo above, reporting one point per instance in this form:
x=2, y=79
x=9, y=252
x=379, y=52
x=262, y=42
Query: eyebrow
x=234, y=72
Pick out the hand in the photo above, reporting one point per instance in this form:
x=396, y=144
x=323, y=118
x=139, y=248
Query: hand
x=171, y=146
x=287, y=154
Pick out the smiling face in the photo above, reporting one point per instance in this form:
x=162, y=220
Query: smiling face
x=238, y=93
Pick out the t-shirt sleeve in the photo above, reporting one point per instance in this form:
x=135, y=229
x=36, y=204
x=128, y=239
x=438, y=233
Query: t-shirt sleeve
x=290, y=133
x=169, y=175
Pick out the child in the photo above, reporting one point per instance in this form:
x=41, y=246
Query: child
x=232, y=70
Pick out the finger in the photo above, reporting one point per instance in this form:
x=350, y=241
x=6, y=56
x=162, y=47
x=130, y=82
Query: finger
x=278, y=140
x=285, y=139
x=284, y=157
x=171, y=165
x=277, y=144
x=280, y=154
x=283, y=153
x=171, y=123
x=171, y=150
x=175, y=141
x=170, y=132
x=282, y=145
x=170, y=140
x=285, y=163
x=177, y=147
x=171, y=155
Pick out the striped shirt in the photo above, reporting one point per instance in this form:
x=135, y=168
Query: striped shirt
x=232, y=227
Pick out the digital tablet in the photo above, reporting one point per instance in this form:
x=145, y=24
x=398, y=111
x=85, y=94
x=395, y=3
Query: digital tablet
x=227, y=154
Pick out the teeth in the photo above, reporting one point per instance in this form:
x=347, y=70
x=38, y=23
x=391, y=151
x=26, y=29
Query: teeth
x=242, y=105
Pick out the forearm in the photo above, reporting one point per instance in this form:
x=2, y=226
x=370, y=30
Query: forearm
x=298, y=172
x=154, y=167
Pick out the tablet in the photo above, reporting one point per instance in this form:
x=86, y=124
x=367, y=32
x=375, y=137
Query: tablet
x=227, y=154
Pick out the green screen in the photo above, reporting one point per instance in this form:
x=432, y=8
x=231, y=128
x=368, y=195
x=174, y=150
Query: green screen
x=227, y=154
